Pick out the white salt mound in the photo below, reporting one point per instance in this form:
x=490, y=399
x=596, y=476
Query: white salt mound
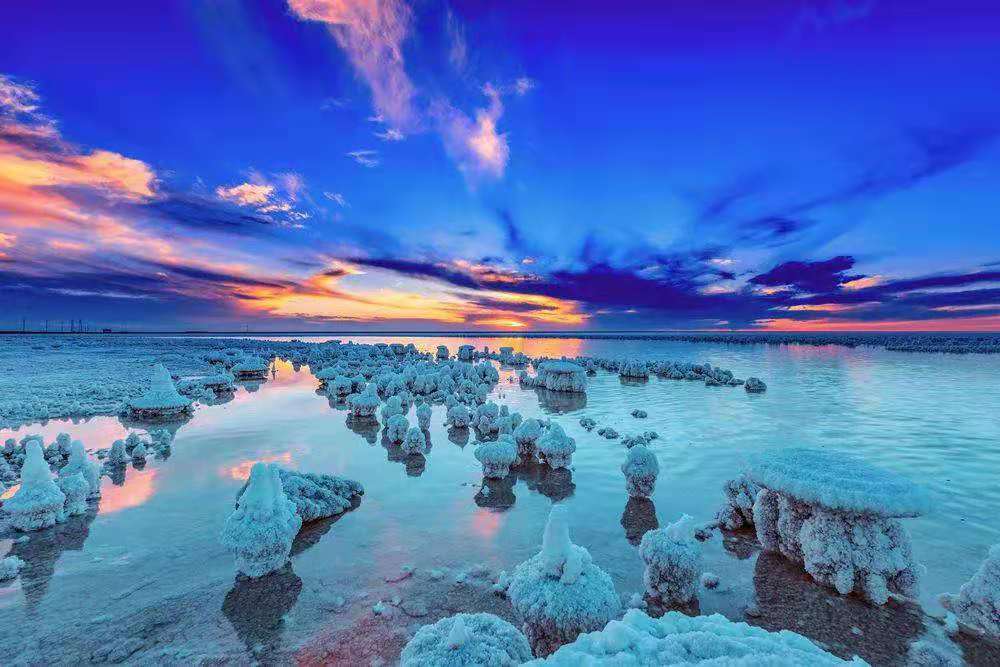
x=676, y=639
x=555, y=448
x=11, y=566
x=497, y=457
x=319, y=496
x=977, y=603
x=466, y=639
x=640, y=469
x=673, y=563
x=38, y=502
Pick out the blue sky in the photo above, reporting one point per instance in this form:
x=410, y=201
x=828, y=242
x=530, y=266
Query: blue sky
x=392, y=164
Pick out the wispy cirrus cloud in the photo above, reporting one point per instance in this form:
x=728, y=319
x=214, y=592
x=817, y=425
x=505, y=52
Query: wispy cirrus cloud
x=365, y=157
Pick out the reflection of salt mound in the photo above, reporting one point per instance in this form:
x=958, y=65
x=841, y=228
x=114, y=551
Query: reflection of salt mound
x=562, y=376
x=38, y=503
x=837, y=516
x=466, y=639
x=641, y=469
x=319, y=496
x=560, y=592
x=977, y=603
x=161, y=400
x=260, y=530
x=677, y=639
x=555, y=448
x=497, y=457
x=673, y=563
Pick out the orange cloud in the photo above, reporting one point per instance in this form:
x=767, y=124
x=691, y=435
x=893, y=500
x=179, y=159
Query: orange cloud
x=862, y=283
x=246, y=194
x=827, y=307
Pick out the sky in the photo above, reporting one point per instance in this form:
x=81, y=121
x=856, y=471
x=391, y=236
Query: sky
x=352, y=165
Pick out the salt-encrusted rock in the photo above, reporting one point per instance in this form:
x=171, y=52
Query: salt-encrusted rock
x=635, y=369
x=754, y=386
x=424, y=413
x=11, y=566
x=38, y=502
x=560, y=592
x=562, y=376
x=318, y=496
x=396, y=428
x=526, y=436
x=673, y=563
x=260, y=530
x=466, y=639
x=738, y=510
x=117, y=456
x=836, y=515
x=977, y=603
x=80, y=463
x=414, y=442
x=555, y=448
x=640, y=469
x=676, y=640
x=588, y=423
x=250, y=368
x=365, y=404
x=497, y=457
x=139, y=453
x=161, y=400
x=459, y=416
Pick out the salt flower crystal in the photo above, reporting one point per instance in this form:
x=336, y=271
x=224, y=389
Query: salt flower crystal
x=393, y=406
x=442, y=352
x=75, y=488
x=117, y=456
x=365, y=404
x=261, y=529
x=318, y=496
x=562, y=376
x=250, y=368
x=677, y=640
x=80, y=463
x=424, y=413
x=738, y=510
x=466, y=352
x=38, y=502
x=497, y=457
x=11, y=566
x=560, y=592
x=466, y=639
x=414, y=442
x=673, y=563
x=161, y=400
x=526, y=435
x=634, y=369
x=555, y=448
x=459, y=416
x=977, y=603
x=396, y=428
x=640, y=469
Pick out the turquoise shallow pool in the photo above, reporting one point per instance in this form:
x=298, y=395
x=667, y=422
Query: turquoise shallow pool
x=154, y=537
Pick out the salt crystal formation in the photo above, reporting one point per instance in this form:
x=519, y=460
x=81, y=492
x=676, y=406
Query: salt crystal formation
x=414, y=442
x=562, y=376
x=38, y=502
x=526, y=436
x=11, y=566
x=75, y=489
x=497, y=457
x=755, y=386
x=319, y=496
x=250, y=367
x=466, y=639
x=466, y=352
x=738, y=510
x=442, y=352
x=839, y=517
x=117, y=456
x=424, y=413
x=635, y=370
x=640, y=469
x=365, y=404
x=977, y=603
x=80, y=463
x=679, y=640
x=555, y=448
x=560, y=592
x=459, y=416
x=261, y=529
x=396, y=428
x=673, y=563
x=161, y=400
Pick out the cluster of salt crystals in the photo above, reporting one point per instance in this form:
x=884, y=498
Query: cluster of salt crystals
x=80, y=463
x=250, y=367
x=414, y=441
x=459, y=416
x=634, y=369
x=640, y=469
x=393, y=406
x=396, y=428
x=39, y=502
x=161, y=400
x=497, y=456
x=261, y=529
x=319, y=496
x=673, y=563
x=487, y=418
x=466, y=639
x=365, y=404
x=466, y=352
x=679, y=640
x=117, y=455
x=741, y=493
x=442, y=352
x=839, y=518
x=424, y=413
x=10, y=567
x=562, y=376
x=555, y=448
x=560, y=592
x=755, y=386
x=977, y=603
x=526, y=436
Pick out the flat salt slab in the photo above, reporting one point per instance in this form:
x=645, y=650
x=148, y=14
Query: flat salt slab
x=839, y=482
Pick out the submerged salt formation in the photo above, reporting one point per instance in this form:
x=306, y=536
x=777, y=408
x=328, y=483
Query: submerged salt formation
x=414, y=442
x=640, y=469
x=497, y=457
x=318, y=496
x=673, y=563
x=526, y=436
x=562, y=376
x=679, y=640
x=161, y=400
x=977, y=603
x=840, y=518
x=38, y=503
x=555, y=448
x=738, y=510
x=260, y=530
x=560, y=592
x=466, y=639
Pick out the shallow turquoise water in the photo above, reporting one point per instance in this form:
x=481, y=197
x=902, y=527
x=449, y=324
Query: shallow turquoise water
x=933, y=418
